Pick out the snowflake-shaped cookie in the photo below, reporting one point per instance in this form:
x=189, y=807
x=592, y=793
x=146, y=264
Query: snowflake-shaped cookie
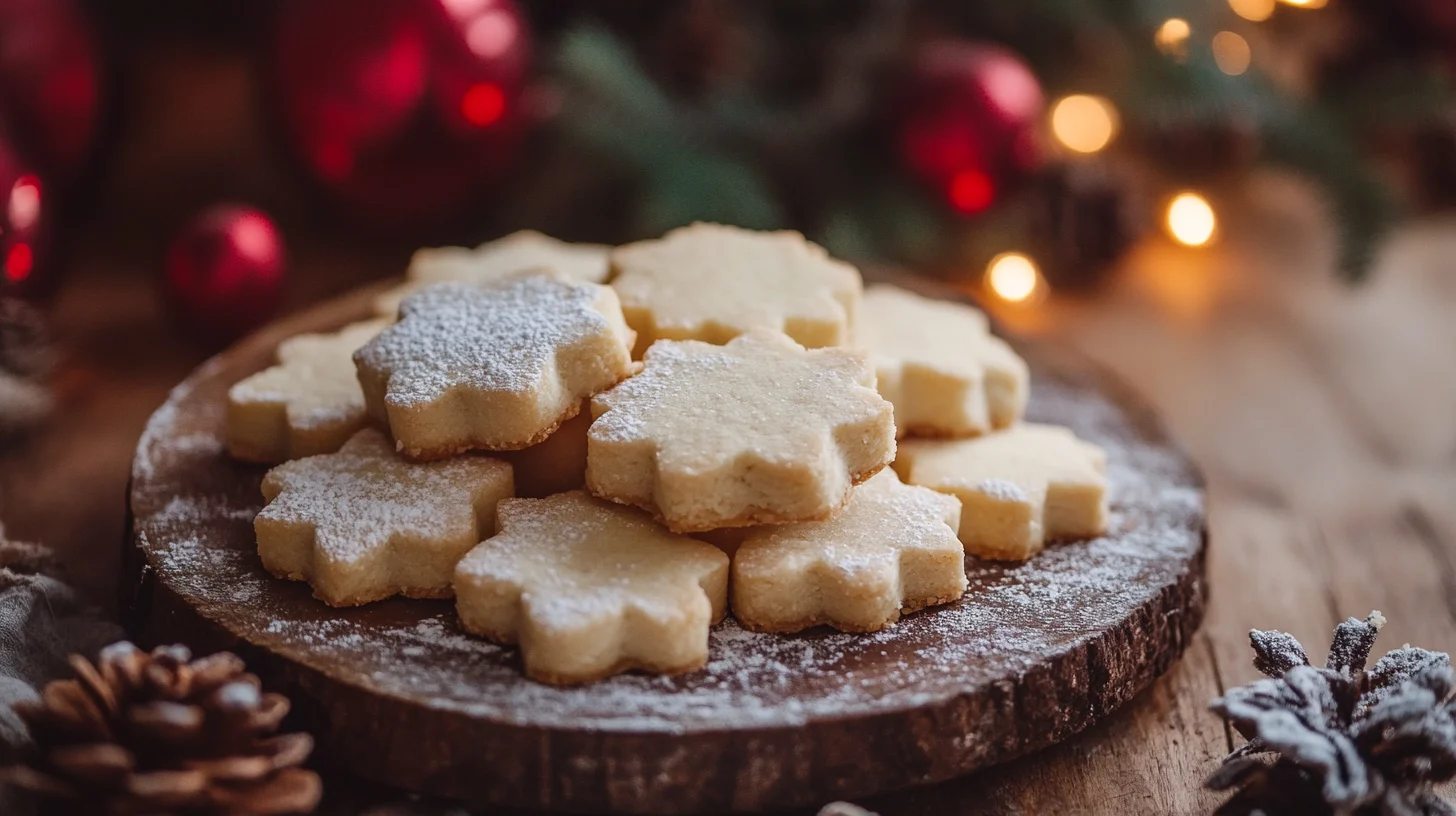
x=517, y=252
x=1019, y=488
x=759, y=431
x=362, y=524
x=891, y=551
x=494, y=366
x=940, y=365
x=310, y=403
x=589, y=589
x=711, y=282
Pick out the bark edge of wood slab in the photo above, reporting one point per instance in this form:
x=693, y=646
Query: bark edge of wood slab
x=395, y=693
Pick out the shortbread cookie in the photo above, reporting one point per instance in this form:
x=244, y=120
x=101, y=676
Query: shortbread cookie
x=1019, y=488
x=362, y=524
x=891, y=551
x=589, y=589
x=555, y=465
x=939, y=364
x=310, y=403
x=711, y=282
x=493, y=366
x=759, y=431
x=517, y=252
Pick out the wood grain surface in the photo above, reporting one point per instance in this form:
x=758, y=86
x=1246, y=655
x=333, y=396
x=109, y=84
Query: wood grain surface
x=1321, y=415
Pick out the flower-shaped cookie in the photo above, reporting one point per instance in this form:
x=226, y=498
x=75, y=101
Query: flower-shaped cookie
x=517, y=252
x=1019, y=488
x=310, y=403
x=493, y=366
x=362, y=524
x=589, y=589
x=892, y=550
x=759, y=431
x=711, y=282
x=939, y=364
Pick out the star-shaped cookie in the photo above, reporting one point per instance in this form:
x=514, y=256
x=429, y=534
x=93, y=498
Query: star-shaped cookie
x=940, y=365
x=589, y=589
x=494, y=366
x=760, y=431
x=310, y=403
x=712, y=282
x=517, y=252
x=891, y=551
x=362, y=524
x=1019, y=488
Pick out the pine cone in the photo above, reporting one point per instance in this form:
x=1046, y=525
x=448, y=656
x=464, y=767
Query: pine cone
x=1083, y=217
x=160, y=733
x=1341, y=739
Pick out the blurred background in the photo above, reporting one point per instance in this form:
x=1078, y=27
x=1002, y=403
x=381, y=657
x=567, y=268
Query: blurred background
x=1241, y=207
x=1216, y=198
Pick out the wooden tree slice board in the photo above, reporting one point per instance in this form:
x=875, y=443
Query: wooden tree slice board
x=396, y=693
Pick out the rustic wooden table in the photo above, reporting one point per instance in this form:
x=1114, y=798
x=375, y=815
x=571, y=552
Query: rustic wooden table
x=1324, y=418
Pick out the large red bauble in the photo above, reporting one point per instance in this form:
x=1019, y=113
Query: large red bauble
x=23, y=228
x=50, y=80
x=402, y=109
x=967, y=121
x=225, y=272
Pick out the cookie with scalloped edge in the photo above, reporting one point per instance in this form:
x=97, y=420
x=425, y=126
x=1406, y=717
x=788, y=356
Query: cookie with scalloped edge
x=938, y=362
x=492, y=366
x=712, y=282
x=760, y=431
x=307, y=404
x=891, y=551
x=363, y=524
x=1019, y=488
x=518, y=252
x=590, y=589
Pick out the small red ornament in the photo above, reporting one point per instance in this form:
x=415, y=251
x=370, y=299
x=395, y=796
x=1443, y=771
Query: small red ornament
x=23, y=228
x=50, y=80
x=225, y=272
x=967, y=124
x=402, y=109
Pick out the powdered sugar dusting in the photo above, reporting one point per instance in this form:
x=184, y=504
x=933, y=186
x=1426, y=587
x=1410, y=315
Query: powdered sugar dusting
x=502, y=336
x=1002, y=490
x=1013, y=617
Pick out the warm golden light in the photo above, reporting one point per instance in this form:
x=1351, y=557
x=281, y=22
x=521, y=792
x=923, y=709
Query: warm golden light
x=1190, y=220
x=1013, y=277
x=1084, y=123
x=1231, y=52
x=1172, y=37
x=1309, y=4
x=1255, y=10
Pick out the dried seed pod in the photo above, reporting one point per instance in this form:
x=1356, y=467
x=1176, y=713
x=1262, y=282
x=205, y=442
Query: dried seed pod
x=145, y=733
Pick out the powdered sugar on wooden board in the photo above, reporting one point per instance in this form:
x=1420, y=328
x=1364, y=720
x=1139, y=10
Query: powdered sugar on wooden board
x=198, y=534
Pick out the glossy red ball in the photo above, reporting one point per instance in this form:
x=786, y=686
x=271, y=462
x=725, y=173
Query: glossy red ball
x=967, y=121
x=50, y=81
x=402, y=110
x=24, y=226
x=225, y=272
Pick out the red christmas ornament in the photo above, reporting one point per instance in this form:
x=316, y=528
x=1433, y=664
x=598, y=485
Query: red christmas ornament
x=225, y=272
x=50, y=80
x=967, y=125
x=23, y=227
x=402, y=109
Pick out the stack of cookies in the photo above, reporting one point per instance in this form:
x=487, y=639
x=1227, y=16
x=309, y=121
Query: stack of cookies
x=600, y=452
